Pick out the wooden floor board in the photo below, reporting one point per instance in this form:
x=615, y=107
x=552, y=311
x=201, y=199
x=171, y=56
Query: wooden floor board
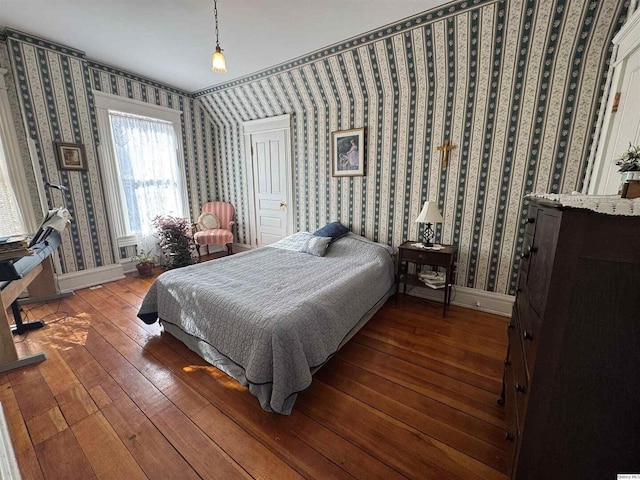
x=239, y=404
x=413, y=395
x=457, y=429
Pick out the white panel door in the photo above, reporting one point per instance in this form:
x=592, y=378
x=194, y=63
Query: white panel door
x=270, y=185
x=626, y=125
x=621, y=127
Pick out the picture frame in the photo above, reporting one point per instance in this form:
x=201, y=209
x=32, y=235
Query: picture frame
x=347, y=153
x=71, y=156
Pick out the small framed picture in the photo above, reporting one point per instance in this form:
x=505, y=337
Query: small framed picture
x=347, y=153
x=71, y=156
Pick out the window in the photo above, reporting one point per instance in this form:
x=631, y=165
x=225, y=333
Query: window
x=10, y=215
x=16, y=211
x=141, y=159
x=145, y=151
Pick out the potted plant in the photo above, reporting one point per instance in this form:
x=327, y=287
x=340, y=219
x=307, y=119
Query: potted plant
x=629, y=163
x=145, y=261
x=176, y=240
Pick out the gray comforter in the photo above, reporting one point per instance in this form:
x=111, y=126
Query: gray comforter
x=275, y=314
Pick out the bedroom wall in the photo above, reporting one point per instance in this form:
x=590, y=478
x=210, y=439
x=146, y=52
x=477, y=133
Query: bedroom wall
x=514, y=84
x=55, y=85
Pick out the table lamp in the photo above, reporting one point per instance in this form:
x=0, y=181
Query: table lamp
x=429, y=215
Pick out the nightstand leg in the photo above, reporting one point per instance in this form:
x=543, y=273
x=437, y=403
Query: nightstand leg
x=406, y=272
x=446, y=293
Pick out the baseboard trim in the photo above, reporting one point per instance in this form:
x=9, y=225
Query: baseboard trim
x=481, y=300
x=8, y=464
x=242, y=247
x=57, y=296
x=90, y=277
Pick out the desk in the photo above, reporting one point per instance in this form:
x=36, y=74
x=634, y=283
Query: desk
x=40, y=280
x=445, y=257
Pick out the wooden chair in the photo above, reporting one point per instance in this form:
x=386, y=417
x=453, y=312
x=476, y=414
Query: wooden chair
x=214, y=226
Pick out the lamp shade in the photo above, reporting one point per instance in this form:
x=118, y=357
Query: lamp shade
x=218, y=64
x=429, y=214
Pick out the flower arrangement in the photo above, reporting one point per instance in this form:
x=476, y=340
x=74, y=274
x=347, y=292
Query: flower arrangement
x=145, y=262
x=175, y=240
x=629, y=161
x=144, y=258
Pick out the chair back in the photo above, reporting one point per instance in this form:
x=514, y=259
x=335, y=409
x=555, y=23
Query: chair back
x=223, y=210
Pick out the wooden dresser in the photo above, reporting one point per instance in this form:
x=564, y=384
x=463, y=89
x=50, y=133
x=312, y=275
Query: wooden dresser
x=571, y=385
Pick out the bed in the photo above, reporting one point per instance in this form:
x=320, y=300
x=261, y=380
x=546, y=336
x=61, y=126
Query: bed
x=272, y=316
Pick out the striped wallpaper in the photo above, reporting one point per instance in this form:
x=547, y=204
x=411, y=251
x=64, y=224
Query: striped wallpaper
x=55, y=85
x=515, y=85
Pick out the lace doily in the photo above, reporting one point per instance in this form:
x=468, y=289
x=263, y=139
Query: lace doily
x=609, y=204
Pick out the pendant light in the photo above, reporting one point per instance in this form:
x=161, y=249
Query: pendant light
x=218, y=64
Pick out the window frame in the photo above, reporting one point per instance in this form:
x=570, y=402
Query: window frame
x=13, y=156
x=104, y=102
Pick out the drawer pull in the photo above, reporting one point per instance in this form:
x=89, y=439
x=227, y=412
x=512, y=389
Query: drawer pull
x=531, y=220
x=527, y=335
x=521, y=388
x=508, y=437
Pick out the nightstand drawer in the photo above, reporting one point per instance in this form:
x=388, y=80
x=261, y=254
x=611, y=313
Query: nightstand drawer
x=425, y=257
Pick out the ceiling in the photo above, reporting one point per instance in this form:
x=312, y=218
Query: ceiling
x=171, y=41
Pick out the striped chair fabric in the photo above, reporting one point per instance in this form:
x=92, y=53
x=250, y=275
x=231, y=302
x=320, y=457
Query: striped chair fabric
x=217, y=236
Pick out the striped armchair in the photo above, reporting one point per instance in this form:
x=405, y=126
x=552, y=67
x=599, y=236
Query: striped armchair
x=214, y=226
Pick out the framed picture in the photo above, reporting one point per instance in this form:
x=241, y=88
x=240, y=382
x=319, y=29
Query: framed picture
x=71, y=156
x=347, y=153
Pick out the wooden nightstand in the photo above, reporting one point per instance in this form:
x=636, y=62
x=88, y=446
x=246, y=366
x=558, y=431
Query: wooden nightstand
x=445, y=257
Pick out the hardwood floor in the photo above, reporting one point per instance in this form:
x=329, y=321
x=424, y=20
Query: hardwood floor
x=411, y=396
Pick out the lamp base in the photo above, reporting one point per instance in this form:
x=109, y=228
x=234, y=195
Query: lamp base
x=427, y=235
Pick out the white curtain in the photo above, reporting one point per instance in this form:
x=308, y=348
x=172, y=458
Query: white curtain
x=145, y=150
x=10, y=215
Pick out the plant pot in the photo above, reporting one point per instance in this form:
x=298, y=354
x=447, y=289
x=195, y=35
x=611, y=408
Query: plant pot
x=145, y=269
x=629, y=175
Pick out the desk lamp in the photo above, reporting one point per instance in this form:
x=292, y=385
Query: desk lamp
x=429, y=215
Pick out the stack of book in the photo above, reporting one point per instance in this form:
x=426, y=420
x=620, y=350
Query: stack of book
x=14, y=247
x=432, y=279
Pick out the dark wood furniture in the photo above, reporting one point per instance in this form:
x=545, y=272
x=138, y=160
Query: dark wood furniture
x=572, y=375
x=446, y=258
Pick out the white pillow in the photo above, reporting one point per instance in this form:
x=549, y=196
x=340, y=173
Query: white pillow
x=304, y=242
x=208, y=221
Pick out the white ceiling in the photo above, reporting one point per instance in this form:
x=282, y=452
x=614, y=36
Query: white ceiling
x=171, y=41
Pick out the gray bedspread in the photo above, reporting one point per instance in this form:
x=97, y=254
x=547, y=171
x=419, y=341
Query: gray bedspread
x=274, y=313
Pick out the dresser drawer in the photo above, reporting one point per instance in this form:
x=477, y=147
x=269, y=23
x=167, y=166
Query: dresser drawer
x=511, y=418
x=516, y=361
x=525, y=256
x=530, y=334
x=516, y=353
x=530, y=226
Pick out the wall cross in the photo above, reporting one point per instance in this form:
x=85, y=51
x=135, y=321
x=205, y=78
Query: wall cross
x=445, y=152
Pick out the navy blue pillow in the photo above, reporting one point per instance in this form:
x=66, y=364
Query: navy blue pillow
x=335, y=230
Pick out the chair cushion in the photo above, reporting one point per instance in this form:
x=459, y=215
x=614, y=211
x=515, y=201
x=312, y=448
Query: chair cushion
x=335, y=230
x=218, y=236
x=208, y=221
